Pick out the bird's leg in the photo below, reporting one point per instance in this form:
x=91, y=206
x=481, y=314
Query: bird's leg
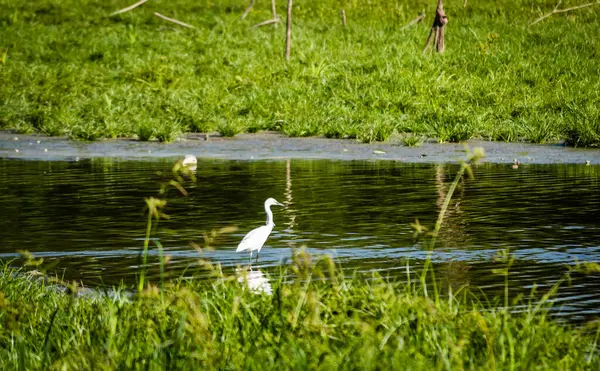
x=257, y=255
x=250, y=257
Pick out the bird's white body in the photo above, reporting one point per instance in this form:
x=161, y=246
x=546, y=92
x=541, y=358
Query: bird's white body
x=256, y=238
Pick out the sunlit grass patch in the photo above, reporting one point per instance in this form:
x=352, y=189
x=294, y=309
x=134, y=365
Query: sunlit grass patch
x=113, y=73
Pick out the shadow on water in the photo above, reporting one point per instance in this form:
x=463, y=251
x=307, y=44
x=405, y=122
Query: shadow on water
x=88, y=215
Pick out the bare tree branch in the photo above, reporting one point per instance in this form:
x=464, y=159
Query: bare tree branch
x=556, y=10
x=173, y=20
x=128, y=8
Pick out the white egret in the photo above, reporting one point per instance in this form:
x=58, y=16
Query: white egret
x=255, y=239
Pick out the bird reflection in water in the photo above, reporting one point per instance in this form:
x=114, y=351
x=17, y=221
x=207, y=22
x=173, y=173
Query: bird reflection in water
x=255, y=280
x=190, y=162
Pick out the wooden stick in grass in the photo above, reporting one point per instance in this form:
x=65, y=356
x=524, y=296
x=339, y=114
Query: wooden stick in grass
x=173, y=20
x=556, y=10
x=288, y=34
x=266, y=23
x=419, y=19
x=437, y=29
x=248, y=9
x=129, y=8
x=274, y=12
x=274, y=21
x=343, y=13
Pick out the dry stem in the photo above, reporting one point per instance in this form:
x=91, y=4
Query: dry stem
x=173, y=20
x=343, y=13
x=288, y=35
x=414, y=21
x=556, y=10
x=129, y=8
x=274, y=11
x=248, y=9
x=267, y=22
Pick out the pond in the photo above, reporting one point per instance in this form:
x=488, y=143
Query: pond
x=86, y=219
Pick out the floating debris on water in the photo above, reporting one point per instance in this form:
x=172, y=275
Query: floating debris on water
x=378, y=152
x=587, y=163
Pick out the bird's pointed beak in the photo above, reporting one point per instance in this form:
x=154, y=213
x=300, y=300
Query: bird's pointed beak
x=280, y=204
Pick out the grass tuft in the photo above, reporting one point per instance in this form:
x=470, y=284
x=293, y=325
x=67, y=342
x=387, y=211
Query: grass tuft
x=412, y=140
x=167, y=132
x=231, y=128
x=145, y=132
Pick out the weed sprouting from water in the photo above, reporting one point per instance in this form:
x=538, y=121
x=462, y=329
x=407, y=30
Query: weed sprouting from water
x=155, y=206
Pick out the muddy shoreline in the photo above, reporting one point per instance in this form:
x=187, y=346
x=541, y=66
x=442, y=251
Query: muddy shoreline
x=273, y=146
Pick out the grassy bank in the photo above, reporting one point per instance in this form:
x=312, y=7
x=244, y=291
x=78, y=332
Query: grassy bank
x=307, y=315
x=340, y=323
x=69, y=69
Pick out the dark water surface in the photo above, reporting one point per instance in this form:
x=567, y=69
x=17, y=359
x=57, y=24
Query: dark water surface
x=88, y=218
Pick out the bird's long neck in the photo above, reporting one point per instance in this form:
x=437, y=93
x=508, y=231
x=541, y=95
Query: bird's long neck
x=269, y=215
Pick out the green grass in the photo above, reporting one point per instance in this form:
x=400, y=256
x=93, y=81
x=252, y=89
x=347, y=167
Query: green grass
x=308, y=322
x=69, y=69
x=412, y=140
x=231, y=128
